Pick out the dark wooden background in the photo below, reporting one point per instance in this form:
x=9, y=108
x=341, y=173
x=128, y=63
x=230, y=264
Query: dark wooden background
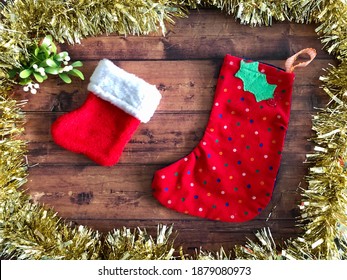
x=184, y=65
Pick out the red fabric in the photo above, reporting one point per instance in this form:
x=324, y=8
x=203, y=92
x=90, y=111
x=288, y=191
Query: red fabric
x=97, y=129
x=231, y=173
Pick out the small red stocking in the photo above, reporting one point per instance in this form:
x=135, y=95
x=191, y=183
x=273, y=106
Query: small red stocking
x=231, y=173
x=118, y=101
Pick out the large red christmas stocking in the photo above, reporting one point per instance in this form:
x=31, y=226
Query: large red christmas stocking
x=231, y=173
x=116, y=105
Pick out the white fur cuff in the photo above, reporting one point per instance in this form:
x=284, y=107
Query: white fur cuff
x=124, y=90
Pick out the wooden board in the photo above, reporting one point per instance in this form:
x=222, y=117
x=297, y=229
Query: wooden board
x=184, y=65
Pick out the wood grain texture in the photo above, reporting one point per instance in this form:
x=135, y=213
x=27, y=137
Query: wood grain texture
x=184, y=65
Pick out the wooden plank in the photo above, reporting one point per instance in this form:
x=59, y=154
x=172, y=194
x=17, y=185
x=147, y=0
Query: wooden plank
x=193, y=38
x=51, y=154
x=156, y=142
x=185, y=85
x=120, y=192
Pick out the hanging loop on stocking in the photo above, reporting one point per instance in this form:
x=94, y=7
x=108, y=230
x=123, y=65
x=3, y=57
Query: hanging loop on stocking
x=289, y=64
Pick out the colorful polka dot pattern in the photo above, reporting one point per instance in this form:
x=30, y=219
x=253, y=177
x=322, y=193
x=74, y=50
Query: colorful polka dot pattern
x=231, y=173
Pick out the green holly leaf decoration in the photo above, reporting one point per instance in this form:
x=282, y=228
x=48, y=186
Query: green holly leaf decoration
x=255, y=81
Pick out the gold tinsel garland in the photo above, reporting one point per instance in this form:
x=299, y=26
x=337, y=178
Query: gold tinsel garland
x=30, y=231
